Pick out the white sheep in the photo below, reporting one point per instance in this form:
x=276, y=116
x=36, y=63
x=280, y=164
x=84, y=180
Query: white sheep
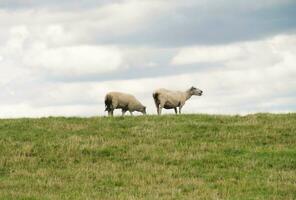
x=126, y=102
x=168, y=99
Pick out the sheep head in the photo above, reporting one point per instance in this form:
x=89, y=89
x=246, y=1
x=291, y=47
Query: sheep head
x=195, y=91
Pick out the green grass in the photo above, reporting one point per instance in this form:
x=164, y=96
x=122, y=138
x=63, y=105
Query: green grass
x=149, y=157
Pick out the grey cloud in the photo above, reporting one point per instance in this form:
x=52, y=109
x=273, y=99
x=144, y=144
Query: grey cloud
x=177, y=24
x=56, y=4
x=198, y=25
x=136, y=73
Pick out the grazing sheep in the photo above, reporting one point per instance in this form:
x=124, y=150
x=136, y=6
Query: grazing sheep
x=168, y=99
x=126, y=102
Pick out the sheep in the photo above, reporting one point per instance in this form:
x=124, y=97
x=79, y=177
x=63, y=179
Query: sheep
x=168, y=99
x=126, y=102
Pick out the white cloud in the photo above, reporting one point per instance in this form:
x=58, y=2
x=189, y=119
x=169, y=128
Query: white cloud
x=86, y=25
x=263, y=53
x=26, y=50
x=255, y=77
x=207, y=54
x=225, y=91
x=239, y=86
x=76, y=60
x=25, y=110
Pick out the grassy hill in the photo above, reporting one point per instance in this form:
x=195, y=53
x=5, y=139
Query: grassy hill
x=151, y=157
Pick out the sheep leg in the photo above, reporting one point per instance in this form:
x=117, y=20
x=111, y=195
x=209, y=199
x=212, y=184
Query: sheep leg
x=156, y=101
x=157, y=107
x=123, y=112
x=180, y=108
x=175, y=110
x=110, y=113
x=161, y=106
x=131, y=113
x=159, y=110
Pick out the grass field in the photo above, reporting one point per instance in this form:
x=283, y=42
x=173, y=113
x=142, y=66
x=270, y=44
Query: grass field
x=149, y=157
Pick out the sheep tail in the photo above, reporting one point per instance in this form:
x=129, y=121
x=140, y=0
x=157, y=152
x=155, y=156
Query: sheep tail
x=108, y=102
x=155, y=97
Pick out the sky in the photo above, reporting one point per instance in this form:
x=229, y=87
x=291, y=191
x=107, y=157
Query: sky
x=60, y=58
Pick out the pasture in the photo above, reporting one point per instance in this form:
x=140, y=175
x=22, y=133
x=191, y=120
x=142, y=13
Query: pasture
x=149, y=157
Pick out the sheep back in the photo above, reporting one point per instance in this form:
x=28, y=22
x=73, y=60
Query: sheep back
x=124, y=101
x=169, y=98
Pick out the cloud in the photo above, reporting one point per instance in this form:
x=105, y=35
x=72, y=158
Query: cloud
x=99, y=24
x=76, y=60
x=255, y=76
x=157, y=22
x=226, y=91
x=261, y=78
x=255, y=54
x=73, y=4
x=207, y=54
x=34, y=53
x=212, y=22
x=24, y=110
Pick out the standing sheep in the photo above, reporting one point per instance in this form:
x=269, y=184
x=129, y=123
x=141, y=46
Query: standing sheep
x=168, y=99
x=126, y=102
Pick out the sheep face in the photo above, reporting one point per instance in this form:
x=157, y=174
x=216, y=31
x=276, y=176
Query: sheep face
x=195, y=91
x=143, y=110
